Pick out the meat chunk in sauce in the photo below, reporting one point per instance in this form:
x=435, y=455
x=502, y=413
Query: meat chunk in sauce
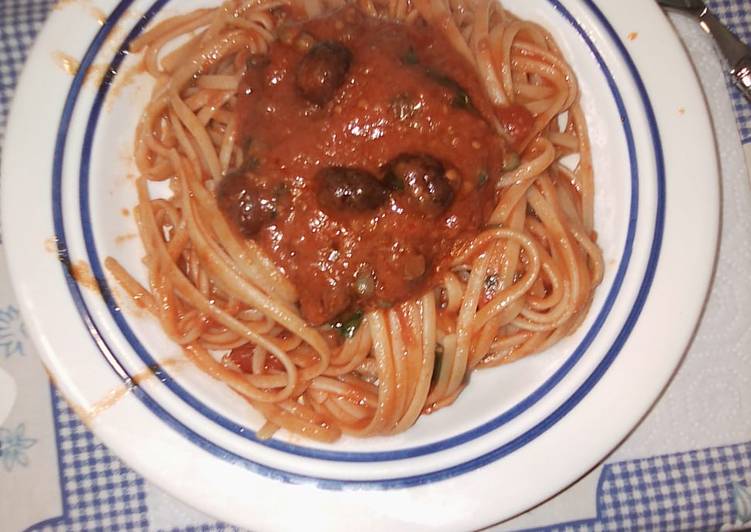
x=322, y=70
x=421, y=179
x=337, y=123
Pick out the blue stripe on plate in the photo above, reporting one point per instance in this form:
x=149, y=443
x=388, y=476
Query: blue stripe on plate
x=324, y=454
x=330, y=455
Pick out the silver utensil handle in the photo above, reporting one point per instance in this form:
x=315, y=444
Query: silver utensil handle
x=737, y=53
x=741, y=74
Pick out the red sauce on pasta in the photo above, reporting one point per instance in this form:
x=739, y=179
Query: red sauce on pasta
x=339, y=122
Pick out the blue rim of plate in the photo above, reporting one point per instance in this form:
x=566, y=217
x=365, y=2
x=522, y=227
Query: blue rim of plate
x=391, y=483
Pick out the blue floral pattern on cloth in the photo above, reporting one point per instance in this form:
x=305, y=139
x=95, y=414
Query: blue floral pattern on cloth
x=99, y=492
x=12, y=332
x=742, y=508
x=14, y=445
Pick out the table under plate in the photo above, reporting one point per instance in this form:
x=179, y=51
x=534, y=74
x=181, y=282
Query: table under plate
x=687, y=466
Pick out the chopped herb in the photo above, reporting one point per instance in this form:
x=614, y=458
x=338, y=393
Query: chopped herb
x=460, y=98
x=491, y=283
x=410, y=57
x=247, y=142
x=437, y=364
x=392, y=181
x=442, y=79
x=348, y=325
x=251, y=163
x=462, y=101
x=482, y=179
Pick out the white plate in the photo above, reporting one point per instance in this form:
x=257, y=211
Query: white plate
x=516, y=436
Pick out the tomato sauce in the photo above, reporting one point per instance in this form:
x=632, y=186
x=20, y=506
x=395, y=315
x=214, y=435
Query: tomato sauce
x=405, y=91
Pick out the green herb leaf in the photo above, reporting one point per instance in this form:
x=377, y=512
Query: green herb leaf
x=442, y=79
x=460, y=99
x=482, y=179
x=463, y=101
x=347, y=326
x=251, y=163
x=246, y=143
x=410, y=57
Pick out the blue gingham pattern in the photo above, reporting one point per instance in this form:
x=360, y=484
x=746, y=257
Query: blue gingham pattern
x=98, y=490
x=20, y=20
x=688, y=491
x=218, y=527
x=737, y=15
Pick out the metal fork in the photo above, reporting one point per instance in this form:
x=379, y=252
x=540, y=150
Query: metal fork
x=737, y=53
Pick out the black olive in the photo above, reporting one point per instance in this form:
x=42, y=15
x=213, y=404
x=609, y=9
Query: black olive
x=244, y=204
x=322, y=70
x=422, y=179
x=342, y=189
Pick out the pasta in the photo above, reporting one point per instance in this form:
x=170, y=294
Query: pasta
x=524, y=280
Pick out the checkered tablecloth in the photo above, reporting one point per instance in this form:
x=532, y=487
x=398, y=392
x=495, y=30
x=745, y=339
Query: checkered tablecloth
x=687, y=466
